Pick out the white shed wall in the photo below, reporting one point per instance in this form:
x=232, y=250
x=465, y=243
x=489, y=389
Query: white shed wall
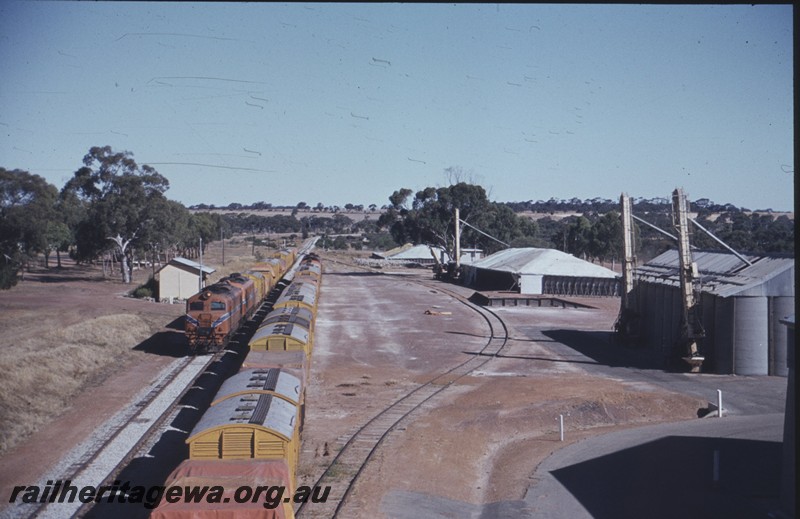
x=177, y=283
x=530, y=284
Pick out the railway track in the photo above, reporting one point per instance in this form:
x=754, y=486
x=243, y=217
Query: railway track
x=99, y=458
x=352, y=459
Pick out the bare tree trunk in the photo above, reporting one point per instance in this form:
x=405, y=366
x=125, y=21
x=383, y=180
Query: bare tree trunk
x=122, y=244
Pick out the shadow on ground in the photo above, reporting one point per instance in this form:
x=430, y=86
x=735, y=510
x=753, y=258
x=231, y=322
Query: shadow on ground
x=170, y=449
x=675, y=477
x=601, y=347
x=353, y=274
x=168, y=344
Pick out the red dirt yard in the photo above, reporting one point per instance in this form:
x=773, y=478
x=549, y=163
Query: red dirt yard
x=477, y=442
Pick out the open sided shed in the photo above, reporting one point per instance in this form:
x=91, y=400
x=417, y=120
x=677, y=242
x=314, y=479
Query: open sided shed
x=540, y=271
x=741, y=307
x=180, y=278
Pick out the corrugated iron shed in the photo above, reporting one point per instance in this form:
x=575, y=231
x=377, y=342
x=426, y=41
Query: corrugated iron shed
x=192, y=265
x=724, y=275
x=418, y=253
x=547, y=262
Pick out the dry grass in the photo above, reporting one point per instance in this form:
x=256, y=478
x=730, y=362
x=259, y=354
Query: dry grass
x=41, y=374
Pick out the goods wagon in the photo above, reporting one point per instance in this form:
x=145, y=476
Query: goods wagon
x=284, y=383
x=248, y=427
x=230, y=475
x=281, y=337
x=291, y=315
x=287, y=255
x=270, y=269
x=271, y=381
x=261, y=282
x=299, y=294
x=295, y=362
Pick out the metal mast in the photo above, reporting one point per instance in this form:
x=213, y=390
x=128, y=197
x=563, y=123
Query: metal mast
x=629, y=259
x=691, y=329
x=625, y=319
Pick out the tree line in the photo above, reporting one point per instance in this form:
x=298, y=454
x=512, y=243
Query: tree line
x=428, y=216
x=111, y=208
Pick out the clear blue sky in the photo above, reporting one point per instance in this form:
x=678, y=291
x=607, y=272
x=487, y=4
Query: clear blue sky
x=339, y=103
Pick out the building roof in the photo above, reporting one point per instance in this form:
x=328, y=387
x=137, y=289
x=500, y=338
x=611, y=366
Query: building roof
x=545, y=262
x=414, y=252
x=725, y=275
x=191, y=265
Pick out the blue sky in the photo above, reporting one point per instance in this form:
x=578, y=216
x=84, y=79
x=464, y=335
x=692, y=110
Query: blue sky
x=339, y=103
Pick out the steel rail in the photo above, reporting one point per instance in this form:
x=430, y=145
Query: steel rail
x=354, y=456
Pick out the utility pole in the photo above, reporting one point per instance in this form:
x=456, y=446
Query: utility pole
x=222, y=237
x=458, y=240
x=200, y=282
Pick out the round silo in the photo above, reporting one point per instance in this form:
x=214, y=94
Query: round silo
x=673, y=316
x=658, y=329
x=750, y=336
x=780, y=308
x=723, y=335
x=707, y=344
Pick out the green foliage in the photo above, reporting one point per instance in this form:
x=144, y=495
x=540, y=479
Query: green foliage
x=381, y=241
x=27, y=206
x=147, y=289
x=340, y=243
x=124, y=208
x=8, y=273
x=430, y=218
x=28, y=220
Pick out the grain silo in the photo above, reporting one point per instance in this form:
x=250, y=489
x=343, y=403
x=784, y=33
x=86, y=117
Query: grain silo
x=740, y=308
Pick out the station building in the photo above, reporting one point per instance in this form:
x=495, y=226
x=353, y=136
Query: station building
x=180, y=278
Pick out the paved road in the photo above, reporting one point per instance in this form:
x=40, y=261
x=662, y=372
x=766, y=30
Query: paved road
x=667, y=470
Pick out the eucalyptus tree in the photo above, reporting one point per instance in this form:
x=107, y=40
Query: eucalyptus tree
x=429, y=217
x=120, y=198
x=27, y=208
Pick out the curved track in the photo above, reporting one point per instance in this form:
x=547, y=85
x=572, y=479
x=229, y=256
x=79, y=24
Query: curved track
x=354, y=456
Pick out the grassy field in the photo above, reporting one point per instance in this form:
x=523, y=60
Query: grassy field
x=43, y=372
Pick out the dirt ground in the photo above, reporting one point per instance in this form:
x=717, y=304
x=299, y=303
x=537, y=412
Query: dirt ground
x=47, y=404
x=480, y=440
x=477, y=442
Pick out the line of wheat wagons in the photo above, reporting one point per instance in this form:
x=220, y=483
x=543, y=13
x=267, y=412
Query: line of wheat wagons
x=250, y=434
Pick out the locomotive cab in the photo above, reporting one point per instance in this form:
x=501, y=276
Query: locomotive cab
x=208, y=316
